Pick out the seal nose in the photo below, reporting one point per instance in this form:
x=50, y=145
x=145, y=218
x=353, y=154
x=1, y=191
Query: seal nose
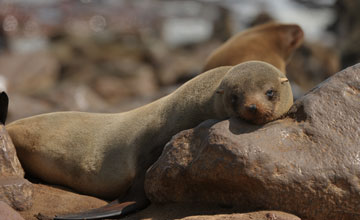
x=252, y=108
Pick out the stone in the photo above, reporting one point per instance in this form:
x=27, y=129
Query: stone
x=6, y=212
x=21, y=106
x=72, y=96
x=306, y=164
x=14, y=189
x=9, y=163
x=20, y=71
x=114, y=88
x=16, y=192
x=311, y=64
x=261, y=215
x=191, y=211
x=49, y=201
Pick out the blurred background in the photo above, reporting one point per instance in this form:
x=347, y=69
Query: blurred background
x=115, y=55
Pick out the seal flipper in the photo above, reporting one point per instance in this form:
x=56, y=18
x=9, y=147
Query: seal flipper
x=4, y=102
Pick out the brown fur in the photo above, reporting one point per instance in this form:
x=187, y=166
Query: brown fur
x=104, y=154
x=272, y=43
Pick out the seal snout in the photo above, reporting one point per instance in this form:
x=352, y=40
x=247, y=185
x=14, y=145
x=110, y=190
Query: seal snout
x=252, y=108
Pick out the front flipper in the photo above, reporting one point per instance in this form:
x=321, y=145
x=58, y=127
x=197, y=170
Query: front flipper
x=113, y=209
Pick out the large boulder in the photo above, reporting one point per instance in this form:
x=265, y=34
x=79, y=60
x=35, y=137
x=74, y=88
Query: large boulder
x=307, y=164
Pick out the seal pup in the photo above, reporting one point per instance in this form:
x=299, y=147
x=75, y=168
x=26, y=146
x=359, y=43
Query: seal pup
x=107, y=155
x=272, y=42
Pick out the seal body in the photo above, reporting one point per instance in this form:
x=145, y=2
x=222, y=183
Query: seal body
x=272, y=42
x=107, y=155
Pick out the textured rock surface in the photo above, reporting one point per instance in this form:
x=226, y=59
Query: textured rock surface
x=261, y=215
x=6, y=212
x=16, y=192
x=49, y=201
x=20, y=71
x=307, y=164
x=201, y=211
x=9, y=163
x=14, y=189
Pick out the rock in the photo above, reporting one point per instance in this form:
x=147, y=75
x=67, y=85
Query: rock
x=21, y=106
x=16, y=192
x=180, y=65
x=139, y=82
x=14, y=189
x=76, y=97
x=200, y=211
x=311, y=64
x=30, y=73
x=261, y=215
x=9, y=163
x=6, y=212
x=49, y=201
x=306, y=164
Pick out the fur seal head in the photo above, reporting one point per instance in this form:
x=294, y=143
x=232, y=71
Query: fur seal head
x=256, y=92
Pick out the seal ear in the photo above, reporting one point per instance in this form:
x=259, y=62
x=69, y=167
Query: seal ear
x=283, y=80
x=220, y=91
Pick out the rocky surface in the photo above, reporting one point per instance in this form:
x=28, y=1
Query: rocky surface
x=10, y=165
x=306, y=164
x=49, y=201
x=6, y=212
x=14, y=189
x=201, y=211
x=16, y=192
x=32, y=73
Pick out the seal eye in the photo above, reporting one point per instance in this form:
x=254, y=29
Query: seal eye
x=270, y=94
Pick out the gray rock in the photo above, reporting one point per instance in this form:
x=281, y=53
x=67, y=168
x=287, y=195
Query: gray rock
x=14, y=189
x=307, y=164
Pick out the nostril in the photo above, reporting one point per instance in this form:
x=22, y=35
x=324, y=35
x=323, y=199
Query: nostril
x=252, y=108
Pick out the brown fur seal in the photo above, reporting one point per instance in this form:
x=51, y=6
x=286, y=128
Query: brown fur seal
x=271, y=42
x=107, y=155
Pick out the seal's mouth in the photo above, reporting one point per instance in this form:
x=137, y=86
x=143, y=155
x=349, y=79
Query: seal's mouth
x=260, y=116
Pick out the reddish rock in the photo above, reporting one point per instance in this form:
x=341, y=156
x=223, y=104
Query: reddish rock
x=306, y=164
x=21, y=106
x=49, y=201
x=204, y=211
x=14, y=189
x=261, y=215
x=114, y=88
x=76, y=97
x=30, y=73
x=7, y=213
x=9, y=163
x=16, y=192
